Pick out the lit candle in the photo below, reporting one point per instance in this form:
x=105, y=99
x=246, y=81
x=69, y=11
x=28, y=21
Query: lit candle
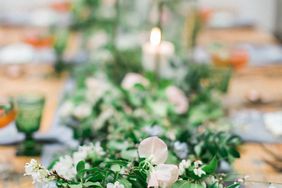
x=157, y=55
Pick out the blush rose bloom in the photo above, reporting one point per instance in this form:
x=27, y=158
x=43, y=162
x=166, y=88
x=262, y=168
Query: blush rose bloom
x=178, y=99
x=162, y=175
x=131, y=79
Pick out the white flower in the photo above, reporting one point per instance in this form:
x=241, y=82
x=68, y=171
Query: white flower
x=31, y=167
x=115, y=185
x=96, y=85
x=97, y=40
x=183, y=165
x=154, y=131
x=65, y=167
x=211, y=180
x=163, y=175
x=84, y=152
x=198, y=163
x=37, y=172
x=79, y=156
x=98, y=149
x=199, y=172
x=66, y=109
x=178, y=99
x=159, y=108
x=131, y=79
x=96, y=88
x=153, y=148
x=82, y=111
x=102, y=55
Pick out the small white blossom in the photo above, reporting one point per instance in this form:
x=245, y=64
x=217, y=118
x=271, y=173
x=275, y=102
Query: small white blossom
x=38, y=173
x=153, y=131
x=183, y=165
x=66, y=109
x=159, y=108
x=198, y=163
x=97, y=40
x=211, y=180
x=96, y=89
x=98, y=149
x=65, y=167
x=82, y=111
x=115, y=185
x=204, y=185
x=199, y=172
x=86, y=150
x=79, y=156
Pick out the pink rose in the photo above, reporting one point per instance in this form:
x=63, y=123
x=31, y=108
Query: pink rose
x=178, y=99
x=131, y=79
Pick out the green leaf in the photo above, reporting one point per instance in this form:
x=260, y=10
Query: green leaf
x=198, y=149
x=125, y=183
x=235, y=185
x=80, y=166
x=234, y=153
x=75, y=186
x=186, y=184
x=115, y=168
x=92, y=184
x=211, y=167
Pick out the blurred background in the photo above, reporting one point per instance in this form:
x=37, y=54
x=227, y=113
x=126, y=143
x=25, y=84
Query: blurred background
x=244, y=35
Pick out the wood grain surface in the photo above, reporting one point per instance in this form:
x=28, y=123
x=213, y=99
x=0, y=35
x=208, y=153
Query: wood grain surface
x=265, y=80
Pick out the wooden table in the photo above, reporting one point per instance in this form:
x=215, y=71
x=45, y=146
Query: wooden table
x=267, y=81
x=47, y=84
x=38, y=78
x=235, y=36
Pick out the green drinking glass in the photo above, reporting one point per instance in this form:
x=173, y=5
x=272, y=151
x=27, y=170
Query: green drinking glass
x=29, y=112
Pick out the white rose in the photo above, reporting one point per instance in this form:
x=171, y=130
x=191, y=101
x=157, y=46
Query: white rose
x=178, y=99
x=131, y=79
x=199, y=172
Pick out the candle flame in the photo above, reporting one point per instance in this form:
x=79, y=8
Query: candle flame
x=156, y=36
